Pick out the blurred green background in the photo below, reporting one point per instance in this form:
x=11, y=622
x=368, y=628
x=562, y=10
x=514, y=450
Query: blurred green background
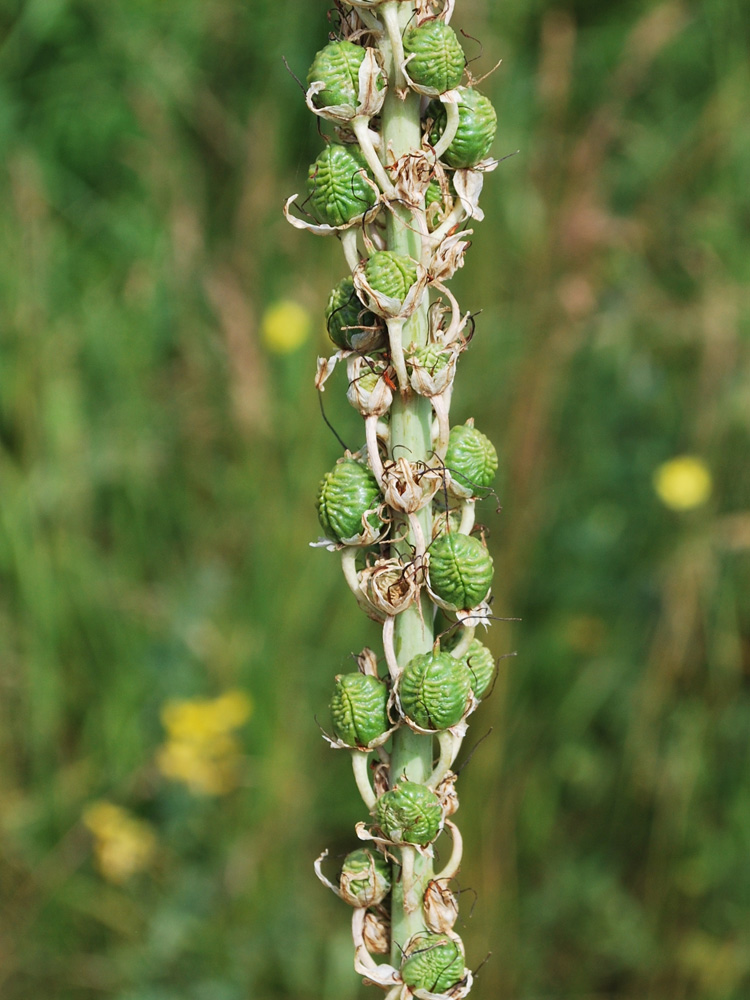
x=160, y=450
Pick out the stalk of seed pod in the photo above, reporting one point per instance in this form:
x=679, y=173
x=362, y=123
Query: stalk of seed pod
x=368, y=186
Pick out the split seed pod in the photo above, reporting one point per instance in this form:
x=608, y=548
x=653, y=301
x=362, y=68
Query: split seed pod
x=437, y=62
x=477, y=125
x=409, y=814
x=434, y=962
x=391, y=273
x=359, y=710
x=434, y=690
x=460, y=570
x=345, y=495
x=351, y=326
x=365, y=878
x=339, y=191
x=471, y=460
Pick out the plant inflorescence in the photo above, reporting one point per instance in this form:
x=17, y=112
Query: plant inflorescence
x=397, y=182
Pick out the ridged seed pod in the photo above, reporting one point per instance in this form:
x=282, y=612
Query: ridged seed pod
x=359, y=709
x=438, y=203
x=460, y=570
x=477, y=124
x=434, y=963
x=346, y=493
x=481, y=665
x=365, y=878
x=337, y=65
x=338, y=189
x=438, y=59
x=434, y=690
x=391, y=273
x=409, y=814
x=471, y=458
x=350, y=325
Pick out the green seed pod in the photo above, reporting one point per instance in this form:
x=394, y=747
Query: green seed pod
x=337, y=65
x=434, y=963
x=471, y=458
x=477, y=124
x=409, y=813
x=438, y=203
x=460, y=570
x=481, y=665
x=338, y=189
x=345, y=494
x=393, y=274
x=365, y=878
x=348, y=321
x=434, y=690
x=438, y=59
x=359, y=709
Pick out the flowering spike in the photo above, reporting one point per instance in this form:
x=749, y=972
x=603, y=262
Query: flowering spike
x=398, y=189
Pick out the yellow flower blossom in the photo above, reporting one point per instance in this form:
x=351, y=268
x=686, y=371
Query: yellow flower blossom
x=123, y=844
x=285, y=326
x=201, y=749
x=683, y=482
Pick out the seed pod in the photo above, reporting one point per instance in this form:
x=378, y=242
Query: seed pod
x=460, y=570
x=337, y=66
x=337, y=185
x=438, y=59
x=477, y=124
x=359, y=710
x=434, y=962
x=345, y=495
x=434, y=690
x=471, y=459
x=433, y=368
x=350, y=325
x=365, y=878
x=438, y=202
x=481, y=666
x=409, y=814
x=393, y=274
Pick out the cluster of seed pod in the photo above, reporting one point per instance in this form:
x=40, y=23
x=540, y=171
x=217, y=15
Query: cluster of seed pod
x=403, y=518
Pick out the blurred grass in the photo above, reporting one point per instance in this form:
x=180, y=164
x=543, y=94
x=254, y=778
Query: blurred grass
x=158, y=469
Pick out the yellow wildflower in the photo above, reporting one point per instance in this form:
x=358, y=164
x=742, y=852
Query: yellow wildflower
x=683, y=482
x=123, y=844
x=201, y=749
x=285, y=326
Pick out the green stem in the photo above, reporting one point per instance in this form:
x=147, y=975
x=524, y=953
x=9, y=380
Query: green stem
x=410, y=437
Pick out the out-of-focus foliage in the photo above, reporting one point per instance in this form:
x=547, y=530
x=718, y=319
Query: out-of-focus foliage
x=160, y=451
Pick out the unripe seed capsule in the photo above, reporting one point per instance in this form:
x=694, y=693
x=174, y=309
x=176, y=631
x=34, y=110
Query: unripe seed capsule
x=471, y=458
x=365, y=878
x=338, y=189
x=393, y=274
x=434, y=690
x=481, y=666
x=460, y=570
x=434, y=963
x=359, y=709
x=409, y=814
x=438, y=59
x=346, y=493
x=337, y=65
x=350, y=325
x=477, y=124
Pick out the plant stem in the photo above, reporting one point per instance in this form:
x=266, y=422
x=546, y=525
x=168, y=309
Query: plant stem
x=410, y=437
